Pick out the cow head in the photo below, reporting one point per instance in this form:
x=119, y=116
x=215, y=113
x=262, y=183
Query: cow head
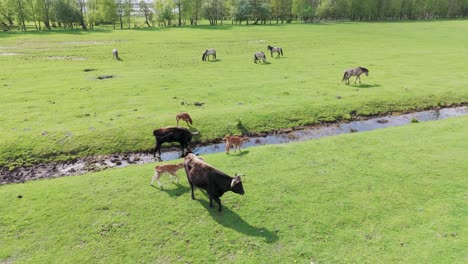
x=236, y=185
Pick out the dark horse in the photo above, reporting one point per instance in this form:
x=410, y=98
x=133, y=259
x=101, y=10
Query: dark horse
x=278, y=50
x=354, y=72
x=207, y=53
x=172, y=134
x=259, y=56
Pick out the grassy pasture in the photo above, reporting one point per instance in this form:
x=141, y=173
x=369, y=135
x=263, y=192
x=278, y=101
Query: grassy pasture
x=396, y=195
x=51, y=109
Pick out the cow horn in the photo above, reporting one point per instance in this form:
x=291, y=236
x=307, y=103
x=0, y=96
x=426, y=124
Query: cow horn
x=234, y=182
x=194, y=133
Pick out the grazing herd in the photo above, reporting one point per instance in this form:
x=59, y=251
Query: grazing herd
x=199, y=173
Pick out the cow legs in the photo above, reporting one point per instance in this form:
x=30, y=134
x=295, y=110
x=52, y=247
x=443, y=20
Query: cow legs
x=181, y=149
x=191, y=186
x=217, y=201
x=157, y=149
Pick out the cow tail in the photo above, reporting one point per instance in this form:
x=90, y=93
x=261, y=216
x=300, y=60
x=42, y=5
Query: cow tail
x=281, y=51
x=163, y=136
x=204, y=55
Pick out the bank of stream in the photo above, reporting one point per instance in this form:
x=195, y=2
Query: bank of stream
x=102, y=162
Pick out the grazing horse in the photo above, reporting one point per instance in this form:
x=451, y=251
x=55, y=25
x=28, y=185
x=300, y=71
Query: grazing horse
x=354, y=72
x=259, y=56
x=278, y=50
x=115, y=54
x=207, y=53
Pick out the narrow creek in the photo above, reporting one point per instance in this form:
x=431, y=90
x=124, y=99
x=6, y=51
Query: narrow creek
x=102, y=162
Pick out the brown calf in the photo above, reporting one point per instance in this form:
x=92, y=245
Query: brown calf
x=169, y=168
x=234, y=141
x=184, y=117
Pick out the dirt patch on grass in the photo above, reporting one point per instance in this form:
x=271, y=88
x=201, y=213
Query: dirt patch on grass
x=66, y=58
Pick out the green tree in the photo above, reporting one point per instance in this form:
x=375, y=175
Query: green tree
x=6, y=15
x=146, y=11
x=243, y=11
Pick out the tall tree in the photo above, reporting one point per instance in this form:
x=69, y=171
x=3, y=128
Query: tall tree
x=6, y=15
x=145, y=10
x=243, y=11
x=214, y=11
x=179, y=11
x=20, y=11
x=46, y=6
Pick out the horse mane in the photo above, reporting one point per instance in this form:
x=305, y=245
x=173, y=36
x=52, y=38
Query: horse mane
x=364, y=69
x=204, y=54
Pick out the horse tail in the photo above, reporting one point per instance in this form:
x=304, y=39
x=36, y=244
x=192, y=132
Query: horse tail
x=204, y=55
x=214, y=54
x=281, y=50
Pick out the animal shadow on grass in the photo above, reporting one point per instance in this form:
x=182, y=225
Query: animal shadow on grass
x=215, y=60
x=242, y=128
x=181, y=189
x=230, y=219
x=363, y=85
x=239, y=153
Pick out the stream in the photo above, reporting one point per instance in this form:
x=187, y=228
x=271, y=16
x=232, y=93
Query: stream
x=101, y=162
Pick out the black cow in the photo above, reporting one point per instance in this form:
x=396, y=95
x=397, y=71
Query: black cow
x=216, y=183
x=172, y=134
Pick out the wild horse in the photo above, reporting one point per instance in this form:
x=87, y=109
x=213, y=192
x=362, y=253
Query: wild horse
x=207, y=53
x=259, y=56
x=278, y=50
x=354, y=72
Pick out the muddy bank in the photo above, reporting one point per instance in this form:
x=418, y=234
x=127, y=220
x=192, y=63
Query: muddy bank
x=102, y=162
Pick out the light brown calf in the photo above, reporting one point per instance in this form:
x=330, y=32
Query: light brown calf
x=184, y=117
x=169, y=168
x=234, y=141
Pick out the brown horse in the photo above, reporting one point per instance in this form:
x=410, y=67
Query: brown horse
x=354, y=72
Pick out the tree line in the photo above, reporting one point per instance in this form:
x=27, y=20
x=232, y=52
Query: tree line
x=85, y=14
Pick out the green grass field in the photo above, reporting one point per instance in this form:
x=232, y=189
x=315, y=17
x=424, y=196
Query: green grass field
x=396, y=195
x=51, y=109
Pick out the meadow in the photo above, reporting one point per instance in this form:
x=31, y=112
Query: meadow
x=54, y=107
x=395, y=195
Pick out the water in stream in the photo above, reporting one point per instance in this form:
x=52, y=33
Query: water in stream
x=97, y=163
